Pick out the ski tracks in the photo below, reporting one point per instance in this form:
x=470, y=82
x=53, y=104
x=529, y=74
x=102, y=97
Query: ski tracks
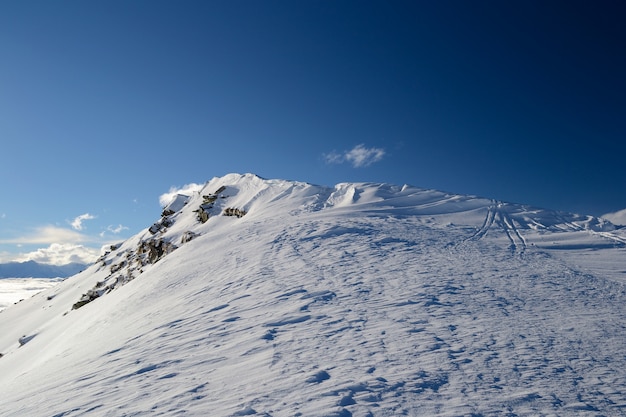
x=497, y=213
x=518, y=243
x=484, y=228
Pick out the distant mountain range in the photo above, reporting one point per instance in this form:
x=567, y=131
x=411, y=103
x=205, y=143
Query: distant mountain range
x=32, y=269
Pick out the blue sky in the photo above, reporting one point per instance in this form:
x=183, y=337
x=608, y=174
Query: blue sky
x=106, y=105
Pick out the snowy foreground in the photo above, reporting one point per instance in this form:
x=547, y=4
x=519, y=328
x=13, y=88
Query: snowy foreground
x=362, y=300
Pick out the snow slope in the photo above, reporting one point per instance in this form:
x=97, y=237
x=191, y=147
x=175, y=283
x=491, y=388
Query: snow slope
x=359, y=300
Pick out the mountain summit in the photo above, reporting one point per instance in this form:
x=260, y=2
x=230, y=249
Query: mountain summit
x=281, y=298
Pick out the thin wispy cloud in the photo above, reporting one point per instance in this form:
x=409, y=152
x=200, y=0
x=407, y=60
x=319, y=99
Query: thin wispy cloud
x=360, y=156
x=46, y=235
x=77, y=223
x=116, y=229
x=6, y=256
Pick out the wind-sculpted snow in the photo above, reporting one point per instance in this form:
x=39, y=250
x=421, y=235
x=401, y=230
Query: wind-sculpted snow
x=362, y=300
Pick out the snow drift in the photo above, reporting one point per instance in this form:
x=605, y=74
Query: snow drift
x=281, y=298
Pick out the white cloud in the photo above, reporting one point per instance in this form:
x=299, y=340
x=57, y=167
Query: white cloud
x=77, y=223
x=618, y=218
x=48, y=235
x=61, y=254
x=6, y=257
x=334, y=158
x=188, y=189
x=358, y=157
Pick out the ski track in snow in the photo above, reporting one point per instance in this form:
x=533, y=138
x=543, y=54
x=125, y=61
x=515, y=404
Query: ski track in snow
x=347, y=308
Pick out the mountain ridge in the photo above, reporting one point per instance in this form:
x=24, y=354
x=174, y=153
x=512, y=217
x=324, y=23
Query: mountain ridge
x=33, y=269
x=279, y=298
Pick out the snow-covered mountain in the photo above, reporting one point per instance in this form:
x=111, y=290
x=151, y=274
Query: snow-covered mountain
x=281, y=298
x=35, y=269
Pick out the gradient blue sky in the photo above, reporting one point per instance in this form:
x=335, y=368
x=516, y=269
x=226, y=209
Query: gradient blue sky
x=106, y=105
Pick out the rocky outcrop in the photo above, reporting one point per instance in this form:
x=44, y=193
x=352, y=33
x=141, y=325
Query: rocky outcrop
x=87, y=298
x=128, y=268
x=168, y=213
x=188, y=236
x=162, y=224
x=208, y=202
x=125, y=266
x=231, y=211
x=154, y=249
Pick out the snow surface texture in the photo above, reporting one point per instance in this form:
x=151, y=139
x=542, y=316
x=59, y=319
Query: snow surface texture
x=362, y=300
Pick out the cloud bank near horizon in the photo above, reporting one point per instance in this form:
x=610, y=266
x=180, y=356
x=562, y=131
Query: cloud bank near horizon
x=61, y=254
x=59, y=245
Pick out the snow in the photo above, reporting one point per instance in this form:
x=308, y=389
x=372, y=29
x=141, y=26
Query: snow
x=360, y=300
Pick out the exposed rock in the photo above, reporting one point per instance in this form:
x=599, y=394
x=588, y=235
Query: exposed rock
x=25, y=339
x=87, y=298
x=209, y=199
x=155, y=249
x=203, y=215
x=187, y=236
x=163, y=223
x=147, y=252
x=167, y=212
x=117, y=267
x=175, y=205
x=208, y=202
x=230, y=211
